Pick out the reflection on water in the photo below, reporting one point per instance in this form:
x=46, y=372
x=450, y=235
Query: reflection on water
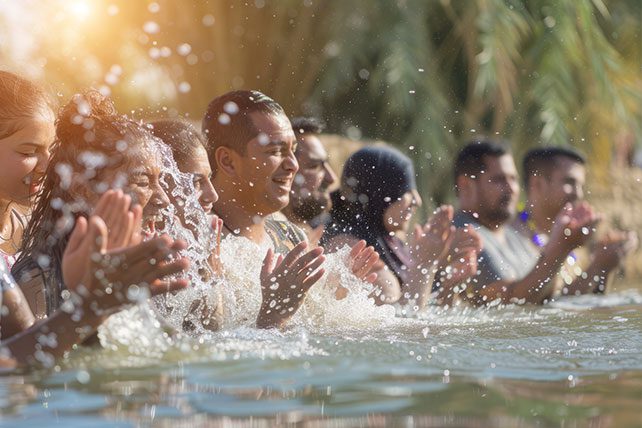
x=574, y=363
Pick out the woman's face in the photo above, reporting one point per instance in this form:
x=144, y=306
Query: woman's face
x=397, y=216
x=139, y=177
x=199, y=167
x=23, y=159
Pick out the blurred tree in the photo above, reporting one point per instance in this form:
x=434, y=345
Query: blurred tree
x=425, y=75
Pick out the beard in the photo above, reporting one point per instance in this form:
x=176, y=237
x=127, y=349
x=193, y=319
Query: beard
x=310, y=207
x=501, y=212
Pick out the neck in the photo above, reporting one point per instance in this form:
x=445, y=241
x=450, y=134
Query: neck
x=239, y=220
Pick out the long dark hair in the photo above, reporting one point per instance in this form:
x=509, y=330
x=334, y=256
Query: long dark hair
x=91, y=139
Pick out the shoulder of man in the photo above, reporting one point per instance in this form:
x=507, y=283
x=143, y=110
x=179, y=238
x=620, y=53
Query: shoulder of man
x=284, y=234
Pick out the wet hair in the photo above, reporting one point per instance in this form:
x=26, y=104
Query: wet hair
x=470, y=160
x=307, y=125
x=91, y=139
x=181, y=136
x=20, y=99
x=543, y=160
x=227, y=121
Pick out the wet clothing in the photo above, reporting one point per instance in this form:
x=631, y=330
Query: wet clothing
x=284, y=235
x=373, y=179
x=509, y=261
x=41, y=289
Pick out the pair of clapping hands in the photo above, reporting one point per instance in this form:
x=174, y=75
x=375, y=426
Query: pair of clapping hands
x=107, y=265
x=438, y=245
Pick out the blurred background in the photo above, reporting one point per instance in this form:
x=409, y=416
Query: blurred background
x=424, y=75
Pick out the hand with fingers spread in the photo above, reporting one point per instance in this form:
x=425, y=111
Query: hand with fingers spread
x=432, y=241
x=573, y=226
x=461, y=260
x=112, y=279
x=285, y=283
x=364, y=262
x=215, y=257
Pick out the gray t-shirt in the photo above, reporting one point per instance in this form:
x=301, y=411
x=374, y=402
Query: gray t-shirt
x=511, y=260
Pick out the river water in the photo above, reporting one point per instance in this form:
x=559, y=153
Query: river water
x=573, y=363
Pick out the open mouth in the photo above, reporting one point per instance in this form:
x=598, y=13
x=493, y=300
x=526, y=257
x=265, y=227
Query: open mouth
x=283, y=182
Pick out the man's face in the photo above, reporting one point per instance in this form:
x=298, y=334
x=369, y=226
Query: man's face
x=267, y=170
x=497, y=190
x=564, y=184
x=310, y=194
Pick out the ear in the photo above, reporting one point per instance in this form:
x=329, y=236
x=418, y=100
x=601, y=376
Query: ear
x=464, y=185
x=226, y=161
x=537, y=183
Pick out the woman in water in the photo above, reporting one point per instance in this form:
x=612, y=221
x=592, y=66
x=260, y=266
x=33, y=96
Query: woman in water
x=376, y=201
x=26, y=132
x=95, y=150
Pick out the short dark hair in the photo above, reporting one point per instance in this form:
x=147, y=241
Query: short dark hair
x=470, y=160
x=227, y=121
x=181, y=136
x=542, y=160
x=307, y=125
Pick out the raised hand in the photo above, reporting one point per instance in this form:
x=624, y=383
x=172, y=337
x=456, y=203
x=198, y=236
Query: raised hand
x=285, y=283
x=432, y=241
x=609, y=251
x=573, y=226
x=460, y=262
x=215, y=257
x=121, y=218
x=364, y=262
x=112, y=279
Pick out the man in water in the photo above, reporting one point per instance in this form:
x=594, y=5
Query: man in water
x=553, y=177
x=310, y=197
x=251, y=152
x=511, y=269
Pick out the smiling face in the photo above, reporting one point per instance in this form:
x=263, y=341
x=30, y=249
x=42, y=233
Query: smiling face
x=397, y=216
x=310, y=194
x=266, y=171
x=24, y=155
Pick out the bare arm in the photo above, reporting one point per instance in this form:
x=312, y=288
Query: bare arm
x=571, y=229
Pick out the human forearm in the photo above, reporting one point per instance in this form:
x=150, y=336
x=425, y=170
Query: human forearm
x=49, y=339
x=593, y=280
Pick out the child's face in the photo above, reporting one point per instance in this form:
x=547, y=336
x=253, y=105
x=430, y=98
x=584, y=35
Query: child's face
x=24, y=155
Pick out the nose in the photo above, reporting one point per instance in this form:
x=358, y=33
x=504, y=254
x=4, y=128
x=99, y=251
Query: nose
x=208, y=193
x=159, y=198
x=290, y=163
x=43, y=162
x=330, y=176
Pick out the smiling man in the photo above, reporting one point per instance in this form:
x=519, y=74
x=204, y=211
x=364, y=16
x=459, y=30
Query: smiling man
x=310, y=196
x=251, y=152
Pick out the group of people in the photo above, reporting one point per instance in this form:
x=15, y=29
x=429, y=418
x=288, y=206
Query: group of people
x=85, y=199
